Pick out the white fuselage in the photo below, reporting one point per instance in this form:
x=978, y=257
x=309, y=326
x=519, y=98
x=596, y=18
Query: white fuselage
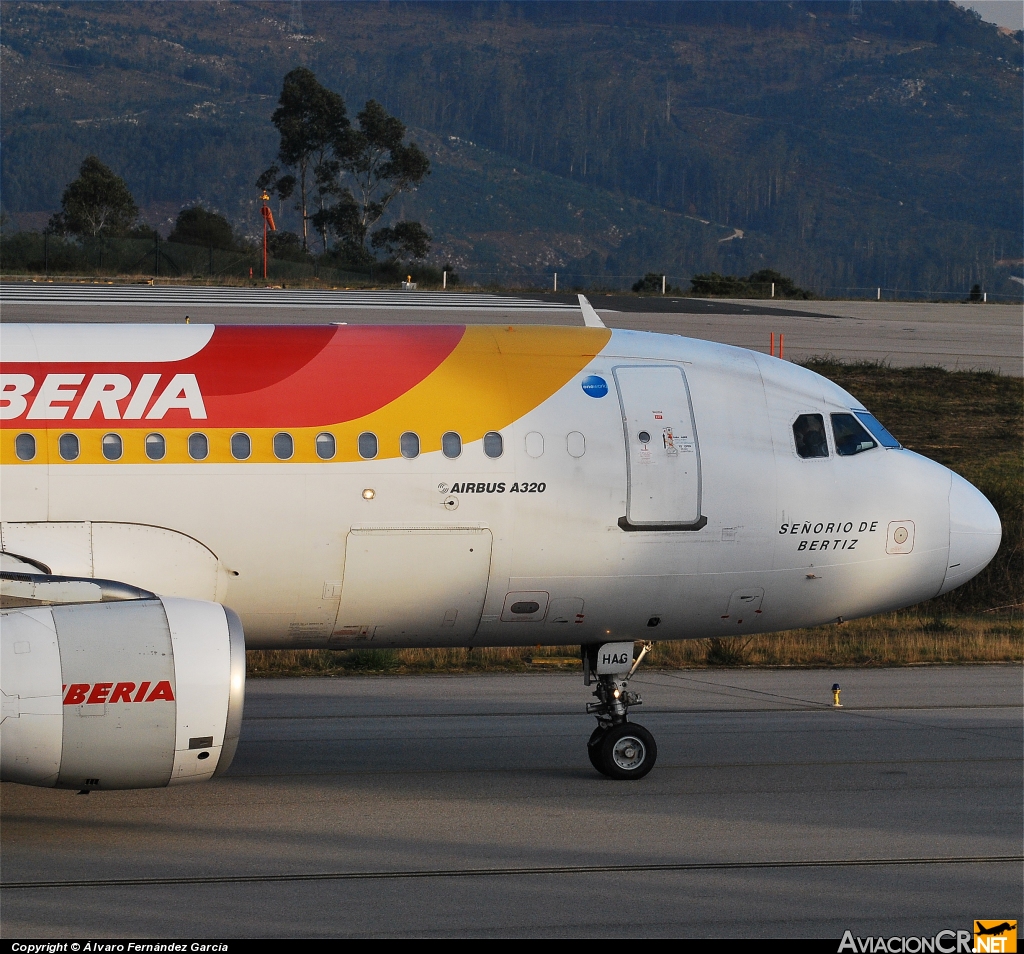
x=584, y=529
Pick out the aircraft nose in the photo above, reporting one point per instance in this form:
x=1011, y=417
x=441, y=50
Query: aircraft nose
x=974, y=533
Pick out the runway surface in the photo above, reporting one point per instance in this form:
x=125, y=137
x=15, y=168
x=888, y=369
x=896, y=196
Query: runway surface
x=177, y=296
x=465, y=806
x=955, y=336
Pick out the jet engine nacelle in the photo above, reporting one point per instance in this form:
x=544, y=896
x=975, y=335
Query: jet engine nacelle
x=139, y=693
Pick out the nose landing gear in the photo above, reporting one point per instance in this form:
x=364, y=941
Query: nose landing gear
x=617, y=748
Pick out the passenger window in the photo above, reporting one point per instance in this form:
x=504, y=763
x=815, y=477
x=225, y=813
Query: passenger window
x=809, y=434
x=850, y=437
x=451, y=445
x=25, y=446
x=241, y=446
x=877, y=431
x=112, y=446
x=198, y=446
x=409, y=444
x=367, y=445
x=575, y=444
x=68, y=446
x=494, y=445
x=156, y=446
x=284, y=446
x=326, y=447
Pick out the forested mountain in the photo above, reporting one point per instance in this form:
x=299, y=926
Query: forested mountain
x=846, y=144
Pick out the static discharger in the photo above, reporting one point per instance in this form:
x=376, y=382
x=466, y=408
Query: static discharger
x=836, y=704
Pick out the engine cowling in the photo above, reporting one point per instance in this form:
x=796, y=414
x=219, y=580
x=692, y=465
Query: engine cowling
x=139, y=693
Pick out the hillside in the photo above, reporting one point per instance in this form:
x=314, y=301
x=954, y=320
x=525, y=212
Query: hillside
x=604, y=139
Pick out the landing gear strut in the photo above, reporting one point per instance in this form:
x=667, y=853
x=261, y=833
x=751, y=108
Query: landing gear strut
x=617, y=748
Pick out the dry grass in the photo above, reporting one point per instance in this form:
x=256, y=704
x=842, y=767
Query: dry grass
x=894, y=639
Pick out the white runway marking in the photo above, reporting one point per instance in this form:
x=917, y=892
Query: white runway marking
x=157, y=295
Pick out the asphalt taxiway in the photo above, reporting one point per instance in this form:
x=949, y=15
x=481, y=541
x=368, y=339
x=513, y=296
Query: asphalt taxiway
x=465, y=806
x=986, y=337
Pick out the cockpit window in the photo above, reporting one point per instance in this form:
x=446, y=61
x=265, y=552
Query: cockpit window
x=809, y=434
x=876, y=430
x=850, y=437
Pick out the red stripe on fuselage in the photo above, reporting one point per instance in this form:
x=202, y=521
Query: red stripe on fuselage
x=270, y=377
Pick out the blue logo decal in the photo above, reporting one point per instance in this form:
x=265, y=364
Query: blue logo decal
x=595, y=386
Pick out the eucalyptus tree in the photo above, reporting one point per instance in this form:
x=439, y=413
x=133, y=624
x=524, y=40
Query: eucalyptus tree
x=380, y=164
x=198, y=226
x=370, y=165
x=311, y=119
x=403, y=239
x=345, y=176
x=98, y=202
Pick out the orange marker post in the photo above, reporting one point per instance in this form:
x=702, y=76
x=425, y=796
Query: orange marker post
x=782, y=342
x=771, y=345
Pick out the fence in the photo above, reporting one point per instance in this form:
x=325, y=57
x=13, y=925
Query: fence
x=33, y=253
x=566, y=281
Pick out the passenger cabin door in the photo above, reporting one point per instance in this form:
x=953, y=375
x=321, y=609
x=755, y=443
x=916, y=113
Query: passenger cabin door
x=405, y=585
x=662, y=455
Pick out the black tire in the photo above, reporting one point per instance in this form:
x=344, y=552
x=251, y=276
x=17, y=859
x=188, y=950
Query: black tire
x=627, y=751
x=594, y=748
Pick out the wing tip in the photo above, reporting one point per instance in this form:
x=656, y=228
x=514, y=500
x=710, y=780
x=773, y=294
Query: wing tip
x=590, y=317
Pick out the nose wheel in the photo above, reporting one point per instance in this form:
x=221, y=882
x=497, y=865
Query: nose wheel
x=617, y=748
x=624, y=751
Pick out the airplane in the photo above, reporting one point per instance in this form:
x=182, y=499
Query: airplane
x=996, y=929
x=173, y=494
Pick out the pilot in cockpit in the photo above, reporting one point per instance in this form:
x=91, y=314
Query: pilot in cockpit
x=809, y=433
